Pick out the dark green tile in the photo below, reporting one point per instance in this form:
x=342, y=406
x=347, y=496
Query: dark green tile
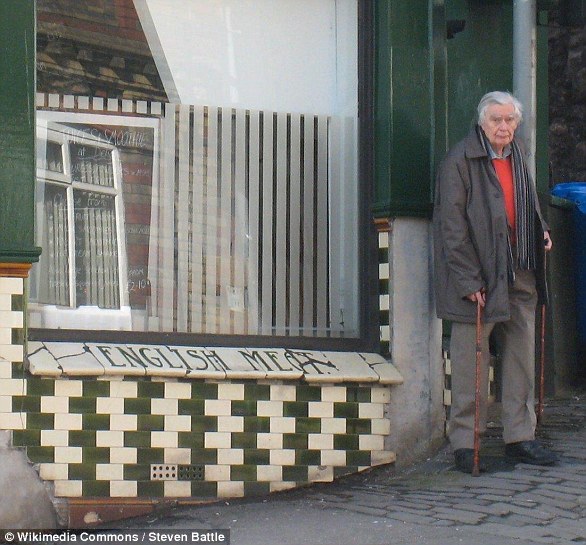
x=204, y=489
x=96, y=388
x=96, y=455
x=99, y=489
x=308, y=458
x=295, y=408
x=82, y=438
x=151, y=422
x=96, y=421
x=17, y=336
x=296, y=474
x=203, y=390
x=243, y=473
x=257, y=489
x=39, y=455
x=82, y=472
x=193, y=407
x=358, y=425
x=26, y=438
x=295, y=440
x=204, y=423
x=137, y=406
x=346, y=442
x=40, y=421
x=40, y=387
x=82, y=405
x=358, y=458
x=357, y=394
x=137, y=472
x=256, y=456
x=150, y=489
x=308, y=425
x=17, y=302
x=383, y=286
x=345, y=410
x=384, y=317
x=18, y=370
x=26, y=404
x=345, y=470
x=243, y=408
x=137, y=439
x=244, y=440
x=383, y=255
x=258, y=392
x=191, y=440
x=151, y=389
x=308, y=393
x=150, y=455
x=261, y=424
x=204, y=456
x=385, y=347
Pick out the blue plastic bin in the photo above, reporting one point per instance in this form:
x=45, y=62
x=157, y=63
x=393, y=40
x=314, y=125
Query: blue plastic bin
x=576, y=193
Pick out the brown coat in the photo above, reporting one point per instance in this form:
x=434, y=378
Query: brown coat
x=470, y=236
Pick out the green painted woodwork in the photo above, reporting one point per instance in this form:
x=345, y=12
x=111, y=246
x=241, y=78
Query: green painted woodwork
x=542, y=115
x=17, y=118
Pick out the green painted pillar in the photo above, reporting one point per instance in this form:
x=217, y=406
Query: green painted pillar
x=17, y=119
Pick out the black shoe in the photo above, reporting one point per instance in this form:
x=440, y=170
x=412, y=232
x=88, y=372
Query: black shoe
x=530, y=452
x=464, y=458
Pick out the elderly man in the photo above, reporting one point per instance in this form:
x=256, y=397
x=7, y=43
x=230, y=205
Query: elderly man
x=490, y=241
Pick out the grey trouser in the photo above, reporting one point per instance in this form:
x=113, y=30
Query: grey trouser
x=518, y=370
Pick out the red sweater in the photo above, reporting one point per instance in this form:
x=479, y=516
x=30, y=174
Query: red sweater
x=504, y=172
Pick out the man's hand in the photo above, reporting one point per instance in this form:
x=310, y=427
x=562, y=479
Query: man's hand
x=478, y=296
x=547, y=241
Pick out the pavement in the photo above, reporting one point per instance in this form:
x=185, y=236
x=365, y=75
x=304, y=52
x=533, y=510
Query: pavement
x=429, y=503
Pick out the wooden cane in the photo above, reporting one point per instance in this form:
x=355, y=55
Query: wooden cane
x=542, y=360
x=476, y=466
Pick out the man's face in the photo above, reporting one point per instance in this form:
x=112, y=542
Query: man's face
x=499, y=125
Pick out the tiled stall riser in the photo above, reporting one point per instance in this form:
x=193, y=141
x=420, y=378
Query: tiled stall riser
x=163, y=438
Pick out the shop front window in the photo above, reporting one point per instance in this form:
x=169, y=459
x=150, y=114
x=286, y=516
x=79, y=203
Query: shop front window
x=231, y=208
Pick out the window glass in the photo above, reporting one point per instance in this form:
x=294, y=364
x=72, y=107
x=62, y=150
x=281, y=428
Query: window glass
x=231, y=209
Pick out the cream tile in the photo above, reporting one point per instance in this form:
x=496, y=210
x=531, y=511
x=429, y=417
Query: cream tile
x=110, y=405
x=178, y=422
x=217, y=440
x=164, y=439
x=335, y=458
x=285, y=424
x=124, y=389
x=233, y=456
x=371, y=442
x=321, y=409
x=282, y=457
x=12, y=352
x=123, y=422
x=269, y=473
x=217, y=473
x=109, y=472
x=52, y=404
x=320, y=441
x=333, y=393
x=12, y=285
x=5, y=404
x=333, y=425
x=380, y=395
x=12, y=319
x=269, y=408
x=68, y=388
x=269, y=440
x=231, y=391
x=68, y=422
x=283, y=392
x=123, y=455
x=164, y=406
x=68, y=489
x=54, y=472
x=177, y=489
x=68, y=455
x=281, y=486
x=177, y=390
x=232, y=489
x=5, y=301
x=370, y=410
x=380, y=426
x=218, y=407
x=12, y=386
x=54, y=438
x=234, y=424
x=105, y=438
x=123, y=489
x=12, y=421
x=177, y=456
x=382, y=457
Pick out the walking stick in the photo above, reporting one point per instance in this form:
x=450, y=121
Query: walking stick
x=542, y=359
x=476, y=466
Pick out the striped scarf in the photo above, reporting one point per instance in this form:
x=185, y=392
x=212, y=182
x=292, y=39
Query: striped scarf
x=525, y=210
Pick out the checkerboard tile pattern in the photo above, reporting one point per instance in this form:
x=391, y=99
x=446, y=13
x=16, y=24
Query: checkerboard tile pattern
x=384, y=287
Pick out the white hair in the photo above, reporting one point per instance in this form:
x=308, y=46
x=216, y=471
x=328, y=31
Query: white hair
x=498, y=97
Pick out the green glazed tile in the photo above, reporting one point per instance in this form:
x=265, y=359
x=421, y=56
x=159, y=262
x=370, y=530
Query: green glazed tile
x=258, y=392
x=295, y=408
x=96, y=421
x=358, y=425
x=384, y=317
x=137, y=439
x=137, y=472
x=26, y=438
x=17, y=303
x=96, y=455
x=137, y=406
x=203, y=390
x=40, y=421
x=40, y=387
x=82, y=405
x=153, y=489
x=150, y=455
x=346, y=442
x=204, y=423
x=383, y=255
x=151, y=389
x=257, y=457
x=345, y=410
x=82, y=472
x=244, y=440
x=207, y=456
x=190, y=440
x=308, y=457
x=383, y=286
x=344, y=470
x=356, y=394
x=204, y=489
x=148, y=422
x=96, y=388
x=18, y=370
x=243, y=473
x=308, y=393
x=95, y=489
x=243, y=408
x=295, y=473
x=308, y=425
x=358, y=457
x=385, y=347
x=261, y=424
x=257, y=489
x=17, y=336
x=83, y=438
x=39, y=455
x=26, y=404
x=194, y=407
x=295, y=440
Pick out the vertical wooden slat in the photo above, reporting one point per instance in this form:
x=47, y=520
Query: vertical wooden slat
x=308, y=225
x=197, y=240
x=225, y=218
x=280, y=220
x=294, y=224
x=254, y=213
x=322, y=214
x=267, y=225
x=184, y=223
x=240, y=227
x=337, y=242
